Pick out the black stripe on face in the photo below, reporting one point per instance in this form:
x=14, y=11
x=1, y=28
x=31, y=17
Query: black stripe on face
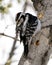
x=21, y=20
x=23, y=17
x=20, y=16
x=17, y=16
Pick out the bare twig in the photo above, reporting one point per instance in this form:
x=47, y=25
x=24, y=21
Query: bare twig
x=8, y=36
x=14, y=43
x=24, y=9
x=48, y=26
x=13, y=48
x=12, y=51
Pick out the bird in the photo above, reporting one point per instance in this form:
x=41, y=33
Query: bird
x=27, y=25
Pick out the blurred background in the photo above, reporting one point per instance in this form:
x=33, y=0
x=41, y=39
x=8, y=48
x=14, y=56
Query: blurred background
x=8, y=11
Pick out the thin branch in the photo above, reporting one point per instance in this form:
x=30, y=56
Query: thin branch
x=8, y=36
x=14, y=43
x=24, y=9
x=48, y=26
x=12, y=51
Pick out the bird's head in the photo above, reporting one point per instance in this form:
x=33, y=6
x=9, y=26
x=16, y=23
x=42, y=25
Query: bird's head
x=20, y=17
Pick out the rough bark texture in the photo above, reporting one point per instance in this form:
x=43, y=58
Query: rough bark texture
x=39, y=54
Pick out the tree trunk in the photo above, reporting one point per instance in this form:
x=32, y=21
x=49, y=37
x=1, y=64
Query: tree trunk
x=39, y=54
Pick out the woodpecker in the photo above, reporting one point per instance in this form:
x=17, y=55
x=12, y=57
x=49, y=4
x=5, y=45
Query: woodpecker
x=27, y=25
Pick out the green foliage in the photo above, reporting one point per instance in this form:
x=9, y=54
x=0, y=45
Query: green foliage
x=1, y=0
x=9, y=5
x=18, y=1
x=4, y=9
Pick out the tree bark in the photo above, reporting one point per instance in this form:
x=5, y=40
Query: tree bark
x=39, y=54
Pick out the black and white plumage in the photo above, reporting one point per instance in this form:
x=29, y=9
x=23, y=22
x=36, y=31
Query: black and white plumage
x=28, y=25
